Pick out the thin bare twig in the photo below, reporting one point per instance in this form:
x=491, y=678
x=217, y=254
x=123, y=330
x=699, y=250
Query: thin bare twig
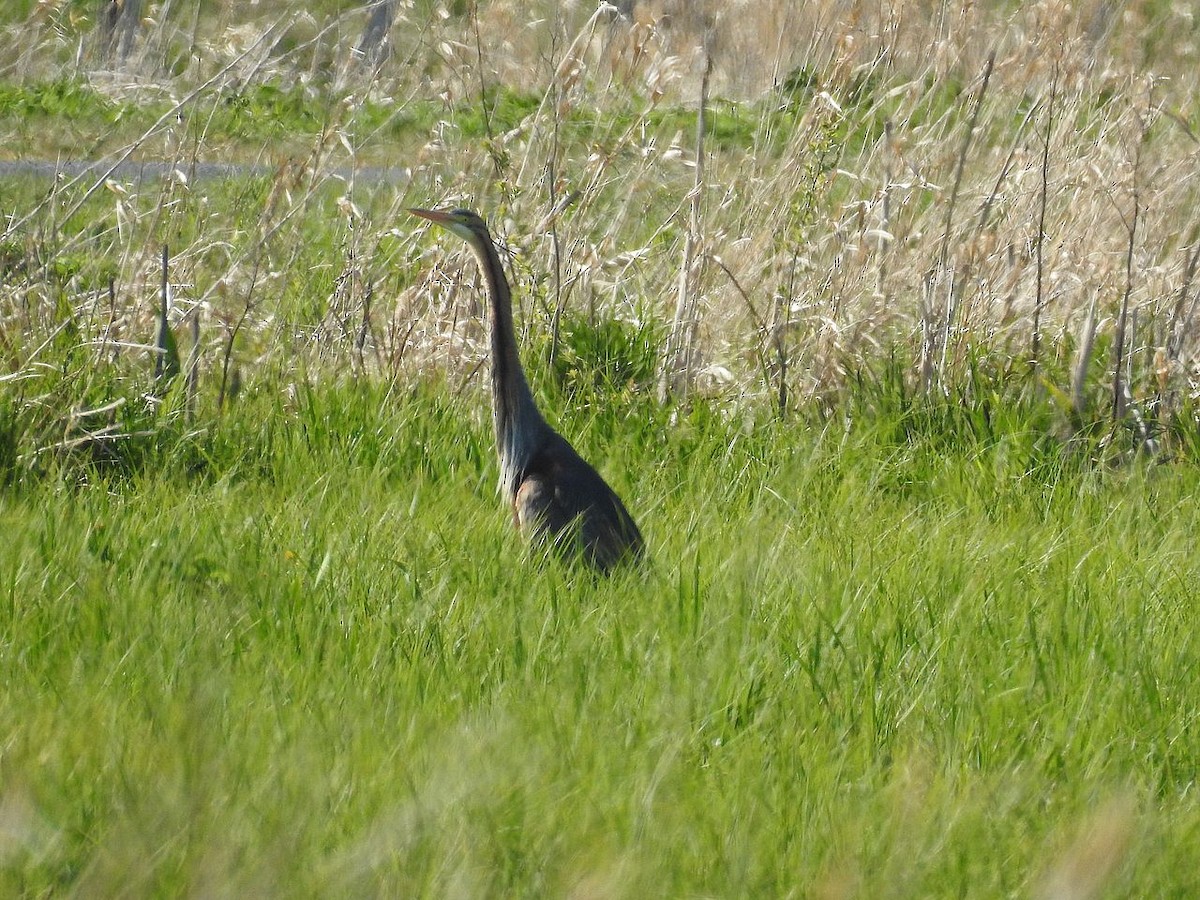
x=1083, y=361
x=483, y=97
x=760, y=324
x=1119, y=393
x=947, y=227
x=676, y=365
x=229, y=386
x=943, y=261
x=985, y=211
x=192, y=372
x=1180, y=321
x=166, y=356
x=1039, y=305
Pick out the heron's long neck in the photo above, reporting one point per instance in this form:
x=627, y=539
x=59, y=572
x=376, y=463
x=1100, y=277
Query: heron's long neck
x=519, y=425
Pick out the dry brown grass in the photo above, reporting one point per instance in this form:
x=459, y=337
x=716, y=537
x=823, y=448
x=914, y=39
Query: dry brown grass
x=867, y=214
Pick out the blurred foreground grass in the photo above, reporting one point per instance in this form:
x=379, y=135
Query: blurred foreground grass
x=896, y=661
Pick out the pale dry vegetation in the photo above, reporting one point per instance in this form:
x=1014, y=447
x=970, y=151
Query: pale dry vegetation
x=931, y=183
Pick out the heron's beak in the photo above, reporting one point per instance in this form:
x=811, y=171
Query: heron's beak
x=433, y=215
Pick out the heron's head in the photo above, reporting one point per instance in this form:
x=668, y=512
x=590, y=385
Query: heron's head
x=463, y=222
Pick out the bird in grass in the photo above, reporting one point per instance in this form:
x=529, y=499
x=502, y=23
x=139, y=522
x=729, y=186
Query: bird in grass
x=556, y=496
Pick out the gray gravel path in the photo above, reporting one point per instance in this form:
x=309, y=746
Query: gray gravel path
x=136, y=171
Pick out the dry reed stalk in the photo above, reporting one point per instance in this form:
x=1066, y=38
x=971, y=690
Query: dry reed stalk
x=944, y=266
x=760, y=327
x=676, y=373
x=484, y=102
x=928, y=331
x=550, y=223
x=106, y=333
x=192, y=371
x=230, y=376
x=1177, y=330
x=166, y=357
x=1120, y=390
x=1083, y=361
x=1040, y=303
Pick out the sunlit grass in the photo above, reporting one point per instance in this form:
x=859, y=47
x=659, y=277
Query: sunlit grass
x=915, y=615
x=322, y=661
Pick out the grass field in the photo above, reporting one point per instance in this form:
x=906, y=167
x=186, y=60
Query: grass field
x=874, y=664
x=916, y=454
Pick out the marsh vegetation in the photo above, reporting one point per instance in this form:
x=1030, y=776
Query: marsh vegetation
x=880, y=317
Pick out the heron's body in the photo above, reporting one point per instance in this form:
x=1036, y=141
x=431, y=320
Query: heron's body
x=555, y=494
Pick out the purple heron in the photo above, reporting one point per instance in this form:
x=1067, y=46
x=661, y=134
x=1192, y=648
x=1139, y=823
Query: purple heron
x=555, y=494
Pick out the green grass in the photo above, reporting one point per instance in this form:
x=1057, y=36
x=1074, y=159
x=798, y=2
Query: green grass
x=901, y=641
x=68, y=118
x=318, y=662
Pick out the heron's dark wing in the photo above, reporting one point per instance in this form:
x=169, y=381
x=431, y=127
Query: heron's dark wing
x=564, y=499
